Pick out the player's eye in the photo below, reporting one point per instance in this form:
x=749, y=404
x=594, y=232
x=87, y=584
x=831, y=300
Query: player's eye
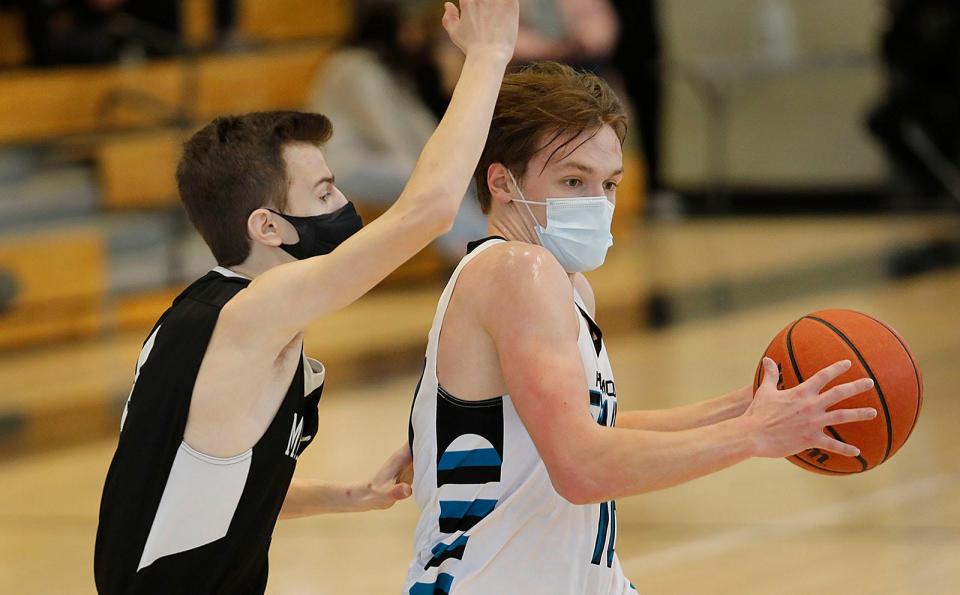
x=610, y=185
x=573, y=182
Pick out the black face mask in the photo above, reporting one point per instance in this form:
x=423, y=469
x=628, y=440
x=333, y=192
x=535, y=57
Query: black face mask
x=320, y=234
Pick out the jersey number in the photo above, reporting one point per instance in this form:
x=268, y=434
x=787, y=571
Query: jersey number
x=144, y=354
x=607, y=528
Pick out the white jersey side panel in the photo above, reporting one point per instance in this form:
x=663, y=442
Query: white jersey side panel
x=490, y=519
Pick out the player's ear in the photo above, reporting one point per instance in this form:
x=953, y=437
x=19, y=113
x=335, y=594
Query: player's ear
x=262, y=227
x=502, y=189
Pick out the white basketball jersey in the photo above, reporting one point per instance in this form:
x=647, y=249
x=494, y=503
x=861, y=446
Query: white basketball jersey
x=491, y=522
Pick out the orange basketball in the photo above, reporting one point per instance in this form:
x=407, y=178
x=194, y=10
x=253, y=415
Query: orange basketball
x=876, y=351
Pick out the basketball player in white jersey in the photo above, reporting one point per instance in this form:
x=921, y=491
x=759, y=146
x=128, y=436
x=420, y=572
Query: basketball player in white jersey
x=519, y=450
x=224, y=399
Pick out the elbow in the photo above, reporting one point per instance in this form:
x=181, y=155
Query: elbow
x=442, y=216
x=433, y=213
x=444, y=221
x=574, y=486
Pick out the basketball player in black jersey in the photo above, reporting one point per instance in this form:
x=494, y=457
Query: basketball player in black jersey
x=224, y=401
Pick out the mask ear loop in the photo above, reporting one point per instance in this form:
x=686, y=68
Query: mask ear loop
x=526, y=203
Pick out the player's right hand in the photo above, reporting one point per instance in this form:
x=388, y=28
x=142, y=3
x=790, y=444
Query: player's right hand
x=785, y=422
x=483, y=26
x=392, y=482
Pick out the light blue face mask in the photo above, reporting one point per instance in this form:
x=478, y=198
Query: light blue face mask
x=578, y=229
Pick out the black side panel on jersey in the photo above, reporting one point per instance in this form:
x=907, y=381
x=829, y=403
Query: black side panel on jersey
x=477, y=456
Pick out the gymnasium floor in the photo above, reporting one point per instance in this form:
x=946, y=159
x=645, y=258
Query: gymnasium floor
x=763, y=527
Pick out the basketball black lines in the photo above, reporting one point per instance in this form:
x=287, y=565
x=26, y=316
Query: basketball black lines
x=831, y=429
x=916, y=371
x=876, y=383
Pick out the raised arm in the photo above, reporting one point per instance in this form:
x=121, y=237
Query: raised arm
x=536, y=342
x=305, y=290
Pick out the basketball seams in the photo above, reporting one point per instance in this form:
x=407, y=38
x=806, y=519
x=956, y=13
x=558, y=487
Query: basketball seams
x=876, y=383
x=797, y=458
x=758, y=378
x=800, y=379
x=916, y=371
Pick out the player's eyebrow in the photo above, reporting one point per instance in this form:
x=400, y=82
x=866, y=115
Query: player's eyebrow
x=331, y=179
x=589, y=170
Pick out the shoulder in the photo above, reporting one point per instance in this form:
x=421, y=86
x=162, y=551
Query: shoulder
x=517, y=280
x=517, y=265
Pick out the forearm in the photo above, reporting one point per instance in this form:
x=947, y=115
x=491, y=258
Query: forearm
x=448, y=160
x=686, y=417
x=308, y=497
x=426, y=209
x=614, y=462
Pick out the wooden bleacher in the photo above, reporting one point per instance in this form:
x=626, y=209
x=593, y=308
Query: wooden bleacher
x=257, y=20
x=59, y=278
x=279, y=20
x=43, y=105
x=269, y=21
x=138, y=170
x=13, y=48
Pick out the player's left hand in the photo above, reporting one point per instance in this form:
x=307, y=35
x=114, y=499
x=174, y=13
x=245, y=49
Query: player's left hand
x=392, y=482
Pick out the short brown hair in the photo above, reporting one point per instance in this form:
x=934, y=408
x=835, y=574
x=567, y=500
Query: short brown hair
x=233, y=166
x=544, y=99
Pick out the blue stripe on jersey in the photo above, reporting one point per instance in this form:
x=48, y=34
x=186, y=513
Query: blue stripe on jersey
x=601, y=533
x=613, y=532
x=458, y=509
x=446, y=547
x=440, y=587
x=478, y=457
x=445, y=551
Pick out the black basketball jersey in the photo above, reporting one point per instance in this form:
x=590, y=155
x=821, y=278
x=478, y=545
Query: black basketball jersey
x=174, y=520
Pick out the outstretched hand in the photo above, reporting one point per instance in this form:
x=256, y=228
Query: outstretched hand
x=790, y=421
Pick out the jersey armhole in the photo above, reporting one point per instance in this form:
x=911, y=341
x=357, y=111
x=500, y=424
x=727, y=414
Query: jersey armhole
x=203, y=457
x=473, y=255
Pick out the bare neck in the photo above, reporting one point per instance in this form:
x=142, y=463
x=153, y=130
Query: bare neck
x=260, y=261
x=509, y=223
x=506, y=221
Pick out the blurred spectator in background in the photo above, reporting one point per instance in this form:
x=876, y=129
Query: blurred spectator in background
x=582, y=33
x=383, y=90
x=617, y=39
x=918, y=121
x=66, y=32
x=637, y=57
